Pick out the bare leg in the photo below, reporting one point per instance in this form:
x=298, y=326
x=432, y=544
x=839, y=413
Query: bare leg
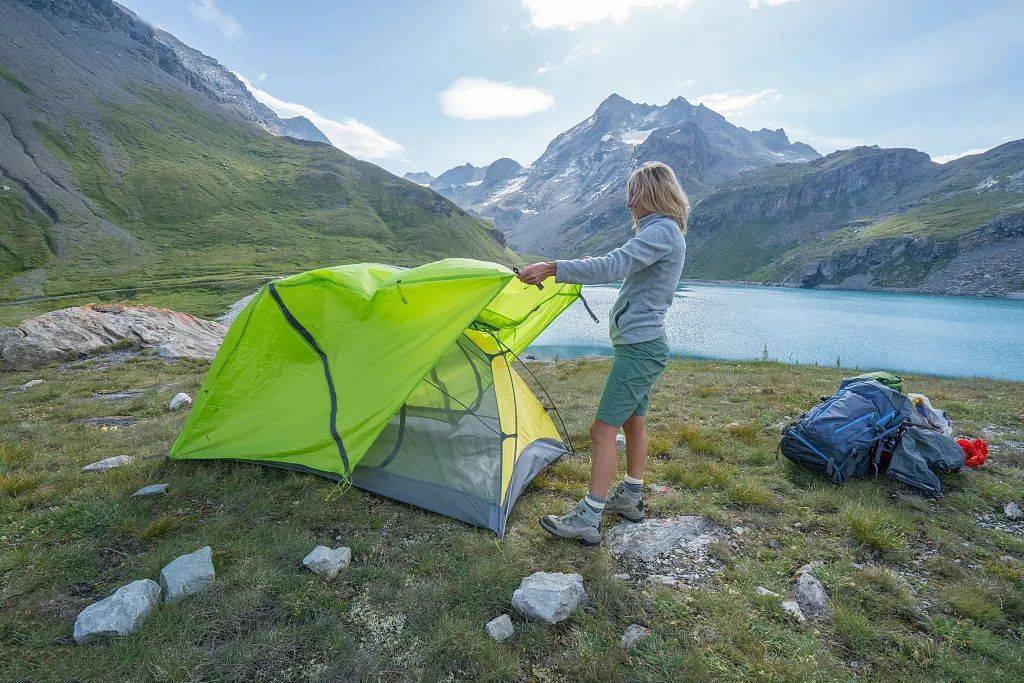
x=637, y=443
x=602, y=463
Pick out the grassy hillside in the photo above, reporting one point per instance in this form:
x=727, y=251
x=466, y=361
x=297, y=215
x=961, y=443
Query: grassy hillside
x=204, y=196
x=922, y=590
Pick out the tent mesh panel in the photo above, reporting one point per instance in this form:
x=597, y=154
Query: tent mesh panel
x=448, y=431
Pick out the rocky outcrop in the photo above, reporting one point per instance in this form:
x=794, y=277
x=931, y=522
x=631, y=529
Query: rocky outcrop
x=671, y=551
x=73, y=333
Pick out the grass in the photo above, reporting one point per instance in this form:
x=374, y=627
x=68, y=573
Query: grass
x=922, y=590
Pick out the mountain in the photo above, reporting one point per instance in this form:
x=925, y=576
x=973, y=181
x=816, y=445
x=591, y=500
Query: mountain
x=568, y=200
x=420, y=178
x=869, y=218
x=129, y=159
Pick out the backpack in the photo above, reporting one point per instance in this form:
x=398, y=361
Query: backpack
x=845, y=435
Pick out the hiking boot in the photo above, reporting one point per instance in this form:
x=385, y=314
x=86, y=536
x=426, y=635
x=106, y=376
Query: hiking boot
x=626, y=503
x=579, y=524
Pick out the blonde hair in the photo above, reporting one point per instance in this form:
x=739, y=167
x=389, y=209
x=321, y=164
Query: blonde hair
x=653, y=188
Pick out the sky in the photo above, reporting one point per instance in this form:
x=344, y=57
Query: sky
x=424, y=85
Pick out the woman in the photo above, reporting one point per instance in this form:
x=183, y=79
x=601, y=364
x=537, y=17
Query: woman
x=649, y=266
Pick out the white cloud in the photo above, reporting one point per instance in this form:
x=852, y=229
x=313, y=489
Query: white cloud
x=943, y=158
x=574, y=14
x=261, y=78
x=756, y=4
x=354, y=137
x=477, y=99
x=578, y=51
x=207, y=11
x=735, y=103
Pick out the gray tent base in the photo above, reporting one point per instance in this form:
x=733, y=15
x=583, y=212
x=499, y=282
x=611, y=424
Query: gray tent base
x=461, y=505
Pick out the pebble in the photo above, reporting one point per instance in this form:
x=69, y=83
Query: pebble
x=501, y=628
x=761, y=590
x=151, y=490
x=109, y=463
x=187, y=575
x=180, y=400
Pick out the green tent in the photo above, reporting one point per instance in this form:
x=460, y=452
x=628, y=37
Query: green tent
x=399, y=379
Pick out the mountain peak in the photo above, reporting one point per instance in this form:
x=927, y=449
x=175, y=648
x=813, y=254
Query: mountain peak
x=614, y=101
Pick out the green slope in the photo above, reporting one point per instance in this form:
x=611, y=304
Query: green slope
x=206, y=196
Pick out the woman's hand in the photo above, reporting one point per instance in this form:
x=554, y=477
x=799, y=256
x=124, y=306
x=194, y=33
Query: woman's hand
x=537, y=273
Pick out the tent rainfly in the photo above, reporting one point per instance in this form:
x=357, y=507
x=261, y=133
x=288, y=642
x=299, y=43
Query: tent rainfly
x=398, y=379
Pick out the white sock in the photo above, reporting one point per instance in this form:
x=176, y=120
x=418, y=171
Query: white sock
x=630, y=480
x=594, y=502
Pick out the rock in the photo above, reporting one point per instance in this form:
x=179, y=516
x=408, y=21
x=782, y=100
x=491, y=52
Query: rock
x=1013, y=511
x=501, y=628
x=117, y=395
x=71, y=333
x=633, y=634
x=620, y=442
x=657, y=488
x=112, y=422
x=791, y=607
x=653, y=537
x=187, y=575
x=180, y=400
x=29, y=384
x=774, y=544
x=810, y=595
x=810, y=567
x=550, y=597
x=151, y=490
x=119, y=614
x=109, y=463
x=761, y=590
x=327, y=562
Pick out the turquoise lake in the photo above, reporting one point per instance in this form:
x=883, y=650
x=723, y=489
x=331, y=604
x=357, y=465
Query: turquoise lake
x=938, y=335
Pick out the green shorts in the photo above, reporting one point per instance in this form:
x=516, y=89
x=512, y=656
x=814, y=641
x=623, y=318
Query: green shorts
x=635, y=369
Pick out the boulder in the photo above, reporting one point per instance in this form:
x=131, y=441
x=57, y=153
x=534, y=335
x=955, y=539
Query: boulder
x=633, y=634
x=549, y=597
x=327, y=562
x=187, y=575
x=151, y=490
x=180, y=400
x=500, y=628
x=29, y=384
x=119, y=614
x=1013, y=511
x=72, y=333
x=109, y=463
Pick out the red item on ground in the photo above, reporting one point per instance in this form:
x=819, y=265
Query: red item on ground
x=976, y=451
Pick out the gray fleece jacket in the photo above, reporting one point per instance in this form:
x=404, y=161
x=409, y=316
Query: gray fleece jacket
x=649, y=266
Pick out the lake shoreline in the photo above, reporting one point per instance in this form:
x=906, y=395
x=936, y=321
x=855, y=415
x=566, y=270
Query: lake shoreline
x=1018, y=296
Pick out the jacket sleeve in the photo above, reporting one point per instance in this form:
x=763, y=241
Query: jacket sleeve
x=649, y=245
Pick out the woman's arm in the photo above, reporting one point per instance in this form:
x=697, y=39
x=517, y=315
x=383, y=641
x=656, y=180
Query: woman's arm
x=649, y=245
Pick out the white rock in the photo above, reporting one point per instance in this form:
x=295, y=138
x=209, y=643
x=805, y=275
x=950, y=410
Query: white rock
x=761, y=590
x=7, y=188
x=550, y=597
x=810, y=594
x=119, y=614
x=791, y=607
x=327, y=562
x=650, y=538
x=70, y=333
x=187, y=575
x=29, y=384
x=620, y=442
x=109, y=463
x=234, y=310
x=810, y=567
x=501, y=628
x=1013, y=511
x=657, y=488
x=633, y=634
x=180, y=400
x=151, y=490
